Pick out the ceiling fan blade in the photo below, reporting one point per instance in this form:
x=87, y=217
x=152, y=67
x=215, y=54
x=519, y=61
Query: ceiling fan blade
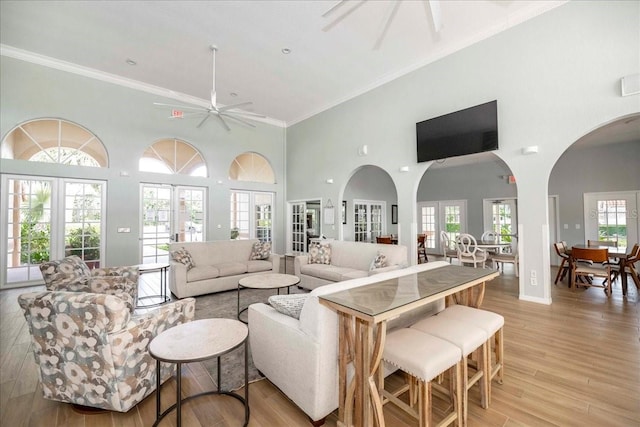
x=334, y=7
x=226, y=126
x=394, y=9
x=340, y=18
x=248, y=113
x=238, y=119
x=203, y=120
x=186, y=107
x=436, y=15
x=232, y=106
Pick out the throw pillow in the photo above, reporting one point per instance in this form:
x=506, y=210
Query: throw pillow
x=260, y=250
x=183, y=257
x=291, y=305
x=319, y=253
x=380, y=261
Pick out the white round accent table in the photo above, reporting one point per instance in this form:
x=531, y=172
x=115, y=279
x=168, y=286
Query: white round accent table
x=265, y=281
x=193, y=342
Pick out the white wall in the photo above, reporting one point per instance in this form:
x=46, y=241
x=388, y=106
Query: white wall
x=556, y=77
x=126, y=122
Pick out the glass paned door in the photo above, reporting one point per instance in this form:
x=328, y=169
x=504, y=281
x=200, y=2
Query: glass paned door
x=251, y=215
x=612, y=217
x=47, y=219
x=427, y=218
x=298, y=227
x=28, y=223
x=156, y=223
x=369, y=220
x=504, y=220
x=83, y=221
x=170, y=214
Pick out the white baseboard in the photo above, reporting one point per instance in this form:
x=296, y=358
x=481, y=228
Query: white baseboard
x=546, y=301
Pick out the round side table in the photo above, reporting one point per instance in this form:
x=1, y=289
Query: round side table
x=265, y=281
x=193, y=342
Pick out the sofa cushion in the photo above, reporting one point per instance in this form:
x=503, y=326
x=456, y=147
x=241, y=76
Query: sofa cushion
x=291, y=305
x=260, y=250
x=331, y=272
x=319, y=253
x=183, y=257
x=231, y=268
x=202, y=273
x=259, y=265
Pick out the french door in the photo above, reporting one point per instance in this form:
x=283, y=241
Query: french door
x=251, y=214
x=48, y=218
x=369, y=220
x=449, y=216
x=501, y=217
x=612, y=216
x=170, y=214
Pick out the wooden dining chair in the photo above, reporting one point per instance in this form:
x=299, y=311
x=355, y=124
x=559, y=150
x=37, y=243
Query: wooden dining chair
x=560, y=249
x=422, y=248
x=629, y=267
x=601, y=266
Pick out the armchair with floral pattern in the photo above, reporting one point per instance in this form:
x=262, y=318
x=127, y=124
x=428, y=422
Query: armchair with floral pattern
x=72, y=274
x=91, y=351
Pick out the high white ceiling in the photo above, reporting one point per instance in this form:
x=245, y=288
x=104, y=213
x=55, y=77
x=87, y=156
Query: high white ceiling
x=332, y=59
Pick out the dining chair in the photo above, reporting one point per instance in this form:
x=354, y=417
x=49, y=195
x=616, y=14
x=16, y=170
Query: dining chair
x=448, y=250
x=468, y=251
x=502, y=258
x=422, y=248
x=490, y=236
x=601, y=266
x=387, y=240
x=561, y=251
x=609, y=243
x=629, y=267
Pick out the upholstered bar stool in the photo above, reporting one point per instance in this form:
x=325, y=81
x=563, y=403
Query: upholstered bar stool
x=468, y=339
x=493, y=324
x=424, y=357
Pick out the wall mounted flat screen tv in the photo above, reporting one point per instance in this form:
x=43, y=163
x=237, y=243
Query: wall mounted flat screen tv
x=468, y=131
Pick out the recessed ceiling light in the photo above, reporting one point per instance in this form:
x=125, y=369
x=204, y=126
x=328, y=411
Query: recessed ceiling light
x=286, y=50
x=131, y=61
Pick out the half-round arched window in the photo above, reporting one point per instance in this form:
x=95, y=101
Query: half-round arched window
x=172, y=156
x=54, y=141
x=251, y=167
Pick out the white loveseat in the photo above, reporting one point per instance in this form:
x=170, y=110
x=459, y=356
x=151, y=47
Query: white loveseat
x=348, y=260
x=300, y=357
x=218, y=266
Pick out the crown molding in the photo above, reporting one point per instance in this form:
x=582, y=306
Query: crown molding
x=69, y=67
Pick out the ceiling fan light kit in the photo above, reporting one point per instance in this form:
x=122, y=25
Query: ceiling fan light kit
x=219, y=112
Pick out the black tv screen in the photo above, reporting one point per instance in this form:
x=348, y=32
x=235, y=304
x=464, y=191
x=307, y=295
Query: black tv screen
x=468, y=131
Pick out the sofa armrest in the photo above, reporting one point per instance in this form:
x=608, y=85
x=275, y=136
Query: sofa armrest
x=177, y=277
x=275, y=262
x=299, y=261
x=282, y=351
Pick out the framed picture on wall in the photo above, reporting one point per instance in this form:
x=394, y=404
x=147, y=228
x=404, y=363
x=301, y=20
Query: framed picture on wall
x=394, y=214
x=344, y=211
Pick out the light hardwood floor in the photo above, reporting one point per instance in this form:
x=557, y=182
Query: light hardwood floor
x=575, y=362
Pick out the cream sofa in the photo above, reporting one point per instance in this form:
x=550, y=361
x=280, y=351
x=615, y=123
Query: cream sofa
x=349, y=260
x=218, y=266
x=300, y=357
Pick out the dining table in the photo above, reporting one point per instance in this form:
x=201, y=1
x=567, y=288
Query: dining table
x=618, y=252
x=363, y=314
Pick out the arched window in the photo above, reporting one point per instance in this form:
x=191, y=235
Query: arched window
x=251, y=167
x=54, y=141
x=172, y=156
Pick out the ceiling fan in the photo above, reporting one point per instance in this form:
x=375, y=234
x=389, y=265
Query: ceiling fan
x=214, y=110
x=433, y=7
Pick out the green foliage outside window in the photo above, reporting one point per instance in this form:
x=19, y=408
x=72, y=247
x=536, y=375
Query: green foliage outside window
x=84, y=242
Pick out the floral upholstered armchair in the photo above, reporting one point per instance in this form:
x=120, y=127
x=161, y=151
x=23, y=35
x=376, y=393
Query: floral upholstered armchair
x=91, y=351
x=72, y=274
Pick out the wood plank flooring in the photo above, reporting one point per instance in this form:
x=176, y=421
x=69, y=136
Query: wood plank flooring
x=573, y=363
